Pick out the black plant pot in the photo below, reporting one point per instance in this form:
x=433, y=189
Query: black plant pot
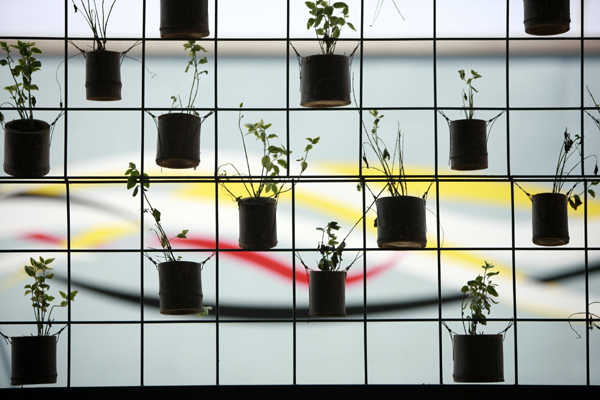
x=258, y=223
x=401, y=222
x=178, y=143
x=103, y=75
x=180, y=287
x=26, y=152
x=33, y=360
x=327, y=294
x=183, y=19
x=546, y=17
x=550, y=220
x=468, y=145
x=478, y=358
x=325, y=81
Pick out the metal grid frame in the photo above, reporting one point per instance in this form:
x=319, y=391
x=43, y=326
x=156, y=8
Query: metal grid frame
x=68, y=180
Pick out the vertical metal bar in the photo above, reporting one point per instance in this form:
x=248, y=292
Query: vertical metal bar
x=287, y=130
x=585, y=196
x=217, y=243
x=66, y=116
x=143, y=104
x=360, y=96
x=437, y=195
x=512, y=191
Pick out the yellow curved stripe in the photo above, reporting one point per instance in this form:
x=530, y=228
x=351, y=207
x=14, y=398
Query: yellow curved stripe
x=101, y=235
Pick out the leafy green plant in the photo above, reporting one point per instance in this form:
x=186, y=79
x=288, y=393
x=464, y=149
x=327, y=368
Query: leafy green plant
x=570, y=146
x=41, y=300
x=330, y=249
x=141, y=184
x=467, y=96
x=21, y=91
x=273, y=160
x=477, y=298
x=97, y=20
x=193, y=50
x=591, y=320
x=327, y=25
x=390, y=165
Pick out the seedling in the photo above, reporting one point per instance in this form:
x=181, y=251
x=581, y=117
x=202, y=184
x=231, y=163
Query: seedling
x=327, y=25
x=467, y=96
x=37, y=269
x=273, y=160
x=21, y=95
x=477, y=298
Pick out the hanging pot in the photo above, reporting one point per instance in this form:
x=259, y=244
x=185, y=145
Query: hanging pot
x=178, y=143
x=103, y=75
x=258, y=223
x=183, y=19
x=327, y=294
x=325, y=81
x=26, y=152
x=478, y=358
x=33, y=360
x=401, y=222
x=546, y=17
x=468, y=145
x=180, y=287
x=550, y=220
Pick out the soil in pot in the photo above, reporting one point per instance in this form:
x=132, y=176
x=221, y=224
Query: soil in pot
x=478, y=358
x=550, y=220
x=258, y=223
x=546, y=17
x=468, y=145
x=180, y=287
x=401, y=222
x=33, y=360
x=325, y=81
x=178, y=143
x=27, y=152
x=327, y=294
x=103, y=75
x=183, y=19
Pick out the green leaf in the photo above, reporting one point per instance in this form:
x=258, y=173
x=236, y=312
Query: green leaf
x=62, y=294
x=304, y=165
x=73, y=294
x=131, y=182
x=265, y=161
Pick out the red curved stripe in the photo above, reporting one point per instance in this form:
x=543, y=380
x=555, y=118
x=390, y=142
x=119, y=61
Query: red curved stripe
x=265, y=262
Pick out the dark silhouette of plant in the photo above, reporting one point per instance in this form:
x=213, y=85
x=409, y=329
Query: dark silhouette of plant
x=327, y=26
x=476, y=298
x=39, y=294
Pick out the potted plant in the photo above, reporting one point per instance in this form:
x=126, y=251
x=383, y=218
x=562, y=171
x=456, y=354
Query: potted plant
x=478, y=357
x=550, y=223
x=180, y=282
x=258, y=211
x=469, y=136
x=591, y=319
x=546, y=17
x=183, y=19
x=178, y=142
x=102, y=67
x=327, y=285
x=33, y=358
x=401, y=218
x=26, y=140
x=325, y=77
